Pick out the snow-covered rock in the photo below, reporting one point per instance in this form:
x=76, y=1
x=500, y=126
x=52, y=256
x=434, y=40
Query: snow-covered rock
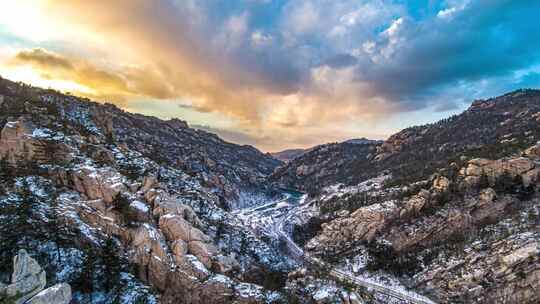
x=57, y=294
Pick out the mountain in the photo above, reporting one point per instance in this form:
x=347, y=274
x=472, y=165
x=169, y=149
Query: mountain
x=126, y=208
x=326, y=165
x=490, y=128
x=289, y=154
x=450, y=208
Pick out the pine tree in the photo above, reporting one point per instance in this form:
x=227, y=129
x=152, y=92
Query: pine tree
x=8, y=236
x=85, y=281
x=27, y=224
x=112, y=264
x=58, y=231
x=483, y=182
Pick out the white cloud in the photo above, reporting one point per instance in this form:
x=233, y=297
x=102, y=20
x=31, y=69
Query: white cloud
x=450, y=12
x=260, y=39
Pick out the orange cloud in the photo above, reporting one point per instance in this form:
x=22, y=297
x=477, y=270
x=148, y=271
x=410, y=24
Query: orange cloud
x=168, y=59
x=115, y=86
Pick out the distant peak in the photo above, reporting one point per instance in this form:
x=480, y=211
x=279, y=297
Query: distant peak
x=362, y=141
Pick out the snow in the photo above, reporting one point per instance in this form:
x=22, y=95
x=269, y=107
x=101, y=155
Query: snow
x=42, y=133
x=139, y=206
x=339, y=190
x=324, y=292
x=197, y=264
x=221, y=279
x=250, y=291
x=355, y=269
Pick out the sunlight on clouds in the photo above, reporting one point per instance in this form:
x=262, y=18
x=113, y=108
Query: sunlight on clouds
x=25, y=18
x=33, y=77
x=285, y=73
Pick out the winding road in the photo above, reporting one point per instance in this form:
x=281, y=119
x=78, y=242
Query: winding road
x=274, y=226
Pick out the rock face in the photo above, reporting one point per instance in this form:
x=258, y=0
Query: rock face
x=492, y=202
x=57, y=294
x=326, y=165
x=160, y=189
x=28, y=283
x=28, y=278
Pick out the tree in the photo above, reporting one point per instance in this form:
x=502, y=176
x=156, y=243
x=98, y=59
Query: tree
x=8, y=236
x=85, y=280
x=483, y=182
x=58, y=230
x=112, y=264
x=504, y=183
x=27, y=225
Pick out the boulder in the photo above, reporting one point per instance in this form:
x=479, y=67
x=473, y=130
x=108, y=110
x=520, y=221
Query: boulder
x=203, y=251
x=98, y=183
x=16, y=143
x=180, y=250
x=57, y=294
x=533, y=152
x=176, y=227
x=487, y=195
x=172, y=207
x=521, y=254
x=441, y=183
x=149, y=239
x=27, y=280
x=149, y=182
x=217, y=289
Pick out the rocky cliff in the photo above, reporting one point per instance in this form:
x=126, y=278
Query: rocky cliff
x=326, y=165
x=81, y=182
x=454, y=212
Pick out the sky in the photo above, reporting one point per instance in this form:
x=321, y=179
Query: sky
x=277, y=74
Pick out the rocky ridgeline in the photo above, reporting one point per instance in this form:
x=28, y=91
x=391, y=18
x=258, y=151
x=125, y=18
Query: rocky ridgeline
x=28, y=284
x=160, y=188
x=491, y=128
x=227, y=168
x=325, y=165
x=505, y=268
x=455, y=209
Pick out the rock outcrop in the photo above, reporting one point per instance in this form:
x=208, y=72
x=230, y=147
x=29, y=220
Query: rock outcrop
x=326, y=165
x=57, y=294
x=159, y=189
x=28, y=282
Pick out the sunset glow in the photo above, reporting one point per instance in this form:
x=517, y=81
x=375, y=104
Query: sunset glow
x=276, y=74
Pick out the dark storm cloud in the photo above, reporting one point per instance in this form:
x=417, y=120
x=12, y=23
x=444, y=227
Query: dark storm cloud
x=485, y=40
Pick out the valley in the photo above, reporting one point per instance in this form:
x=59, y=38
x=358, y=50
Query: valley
x=129, y=208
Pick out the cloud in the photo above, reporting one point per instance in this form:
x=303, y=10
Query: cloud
x=43, y=59
x=292, y=71
x=483, y=40
x=102, y=83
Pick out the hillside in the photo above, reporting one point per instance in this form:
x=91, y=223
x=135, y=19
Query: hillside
x=118, y=207
x=325, y=165
x=450, y=209
x=491, y=128
x=289, y=154
x=124, y=206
